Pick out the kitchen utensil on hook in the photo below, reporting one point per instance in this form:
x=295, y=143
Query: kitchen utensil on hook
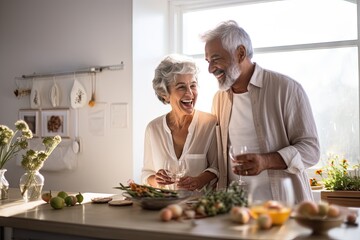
x=55, y=94
x=93, y=89
x=78, y=96
x=22, y=89
x=35, y=99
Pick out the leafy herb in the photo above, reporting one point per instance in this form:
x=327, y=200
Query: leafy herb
x=218, y=202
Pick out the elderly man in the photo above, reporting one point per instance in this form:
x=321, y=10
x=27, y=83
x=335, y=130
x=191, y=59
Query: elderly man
x=264, y=110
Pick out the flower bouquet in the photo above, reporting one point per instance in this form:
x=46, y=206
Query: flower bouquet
x=10, y=144
x=32, y=181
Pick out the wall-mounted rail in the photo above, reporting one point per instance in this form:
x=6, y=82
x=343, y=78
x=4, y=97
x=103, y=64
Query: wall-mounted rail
x=75, y=71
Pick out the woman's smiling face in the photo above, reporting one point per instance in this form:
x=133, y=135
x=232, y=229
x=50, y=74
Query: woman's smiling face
x=183, y=94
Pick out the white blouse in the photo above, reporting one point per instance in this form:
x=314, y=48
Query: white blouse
x=200, y=149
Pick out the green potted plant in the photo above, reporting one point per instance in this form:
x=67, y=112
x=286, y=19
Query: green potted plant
x=341, y=182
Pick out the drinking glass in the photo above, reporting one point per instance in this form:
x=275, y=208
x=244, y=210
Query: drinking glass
x=233, y=152
x=175, y=169
x=260, y=201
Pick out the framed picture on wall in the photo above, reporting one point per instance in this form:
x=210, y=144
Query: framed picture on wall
x=32, y=118
x=55, y=122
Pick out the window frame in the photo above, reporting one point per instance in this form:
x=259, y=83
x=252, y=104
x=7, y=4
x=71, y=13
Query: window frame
x=178, y=7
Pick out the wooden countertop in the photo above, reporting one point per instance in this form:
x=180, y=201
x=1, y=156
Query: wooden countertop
x=103, y=221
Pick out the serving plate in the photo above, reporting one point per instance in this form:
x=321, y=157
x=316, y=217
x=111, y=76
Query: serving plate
x=156, y=203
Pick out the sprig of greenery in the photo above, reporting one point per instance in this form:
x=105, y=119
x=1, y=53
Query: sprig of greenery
x=221, y=201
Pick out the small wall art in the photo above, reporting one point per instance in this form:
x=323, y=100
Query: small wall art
x=32, y=118
x=55, y=122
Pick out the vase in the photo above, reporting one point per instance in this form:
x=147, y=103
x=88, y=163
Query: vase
x=31, y=184
x=4, y=185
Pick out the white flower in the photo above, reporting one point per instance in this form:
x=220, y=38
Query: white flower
x=12, y=142
x=34, y=160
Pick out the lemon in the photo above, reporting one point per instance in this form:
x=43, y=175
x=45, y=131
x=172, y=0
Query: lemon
x=57, y=202
x=62, y=194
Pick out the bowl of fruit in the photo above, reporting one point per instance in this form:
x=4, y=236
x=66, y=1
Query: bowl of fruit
x=319, y=217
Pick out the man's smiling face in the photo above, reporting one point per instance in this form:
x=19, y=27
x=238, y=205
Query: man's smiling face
x=221, y=64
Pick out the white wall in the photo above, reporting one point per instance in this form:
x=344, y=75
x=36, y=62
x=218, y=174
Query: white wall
x=46, y=35
x=150, y=29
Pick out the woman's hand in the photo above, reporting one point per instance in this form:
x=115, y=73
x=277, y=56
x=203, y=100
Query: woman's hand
x=162, y=178
x=190, y=183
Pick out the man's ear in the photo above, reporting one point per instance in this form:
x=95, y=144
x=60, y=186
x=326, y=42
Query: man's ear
x=240, y=53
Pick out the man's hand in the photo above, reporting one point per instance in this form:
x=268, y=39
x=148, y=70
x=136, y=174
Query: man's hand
x=253, y=164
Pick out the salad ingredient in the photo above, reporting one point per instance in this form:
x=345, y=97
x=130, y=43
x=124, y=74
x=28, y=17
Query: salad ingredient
x=239, y=214
x=166, y=214
x=264, y=221
x=323, y=208
x=62, y=194
x=46, y=197
x=137, y=190
x=221, y=201
x=176, y=210
x=79, y=197
x=57, y=202
x=351, y=218
x=308, y=209
x=333, y=211
x=70, y=200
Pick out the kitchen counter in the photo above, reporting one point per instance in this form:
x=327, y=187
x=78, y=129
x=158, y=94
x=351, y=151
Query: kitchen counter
x=37, y=220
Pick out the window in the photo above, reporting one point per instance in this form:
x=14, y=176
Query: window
x=313, y=41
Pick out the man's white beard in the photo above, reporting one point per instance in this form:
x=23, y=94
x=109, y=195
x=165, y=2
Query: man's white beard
x=231, y=75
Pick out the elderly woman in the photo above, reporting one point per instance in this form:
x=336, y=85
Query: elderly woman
x=182, y=134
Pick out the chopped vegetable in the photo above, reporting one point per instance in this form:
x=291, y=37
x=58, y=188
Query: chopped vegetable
x=137, y=190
